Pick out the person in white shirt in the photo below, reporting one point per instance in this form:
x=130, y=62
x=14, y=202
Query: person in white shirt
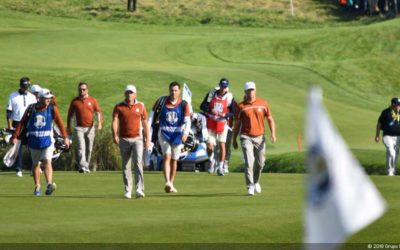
x=18, y=102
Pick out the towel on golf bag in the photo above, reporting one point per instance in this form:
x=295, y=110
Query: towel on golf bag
x=12, y=154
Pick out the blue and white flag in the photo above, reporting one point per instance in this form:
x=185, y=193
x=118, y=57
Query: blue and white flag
x=341, y=199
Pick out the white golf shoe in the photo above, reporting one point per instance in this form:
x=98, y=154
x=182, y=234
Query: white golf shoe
x=128, y=195
x=257, y=188
x=220, y=171
x=139, y=194
x=211, y=166
x=226, y=167
x=250, y=190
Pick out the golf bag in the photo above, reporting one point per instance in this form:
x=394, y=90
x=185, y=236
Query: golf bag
x=5, y=137
x=59, y=145
x=193, y=155
x=11, y=155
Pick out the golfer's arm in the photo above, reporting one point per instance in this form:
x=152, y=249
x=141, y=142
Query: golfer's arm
x=236, y=129
x=378, y=129
x=150, y=123
x=114, y=126
x=9, y=118
x=99, y=113
x=146, y=130
x=59, y=122
x=271, y=124
x=19, y=127
x=99, y=117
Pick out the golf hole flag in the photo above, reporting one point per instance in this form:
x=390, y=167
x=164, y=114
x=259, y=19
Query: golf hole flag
x=341, y=199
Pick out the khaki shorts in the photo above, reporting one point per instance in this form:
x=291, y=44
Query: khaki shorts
x=168, y=149
x=213, y=137
x=41, y=154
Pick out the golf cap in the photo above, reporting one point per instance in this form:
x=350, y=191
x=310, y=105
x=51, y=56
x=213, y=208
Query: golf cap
x=131, y=88
x=45, y=93
x=249, y=85
x=35, y=88
x=395, y=101
x=24, y=81
x=223, y=83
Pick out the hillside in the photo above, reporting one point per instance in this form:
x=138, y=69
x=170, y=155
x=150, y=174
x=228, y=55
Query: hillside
x=254, y=13
x=357, y=66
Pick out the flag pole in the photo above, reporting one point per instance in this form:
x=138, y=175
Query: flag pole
x=299, y=142
x=291, y=7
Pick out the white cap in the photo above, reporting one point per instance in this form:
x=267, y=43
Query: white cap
x=35, y=88
x=45, y=93
x=249, y=85
x=130, y=88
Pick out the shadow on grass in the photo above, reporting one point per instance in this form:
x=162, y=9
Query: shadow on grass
x=120, y=197
x=61, y=196
x=209, y=195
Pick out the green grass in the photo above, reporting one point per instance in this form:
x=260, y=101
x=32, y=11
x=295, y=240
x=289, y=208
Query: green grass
x=357, y=67
x=373, y=162
x=357, y=71
x=207, y=209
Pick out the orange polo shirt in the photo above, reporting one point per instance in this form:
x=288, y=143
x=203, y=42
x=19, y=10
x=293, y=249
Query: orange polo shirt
x=252, y=117
x=84, y=109
x=130, y=118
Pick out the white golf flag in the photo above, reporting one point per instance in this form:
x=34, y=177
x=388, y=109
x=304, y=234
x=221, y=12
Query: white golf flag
x=187, y=95
x=341, y=199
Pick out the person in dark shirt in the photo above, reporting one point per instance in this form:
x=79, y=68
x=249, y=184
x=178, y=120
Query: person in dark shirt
x=389, y=123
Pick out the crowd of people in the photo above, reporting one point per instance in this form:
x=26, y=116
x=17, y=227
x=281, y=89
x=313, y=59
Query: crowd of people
x=32, y=113
x=372, y=7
